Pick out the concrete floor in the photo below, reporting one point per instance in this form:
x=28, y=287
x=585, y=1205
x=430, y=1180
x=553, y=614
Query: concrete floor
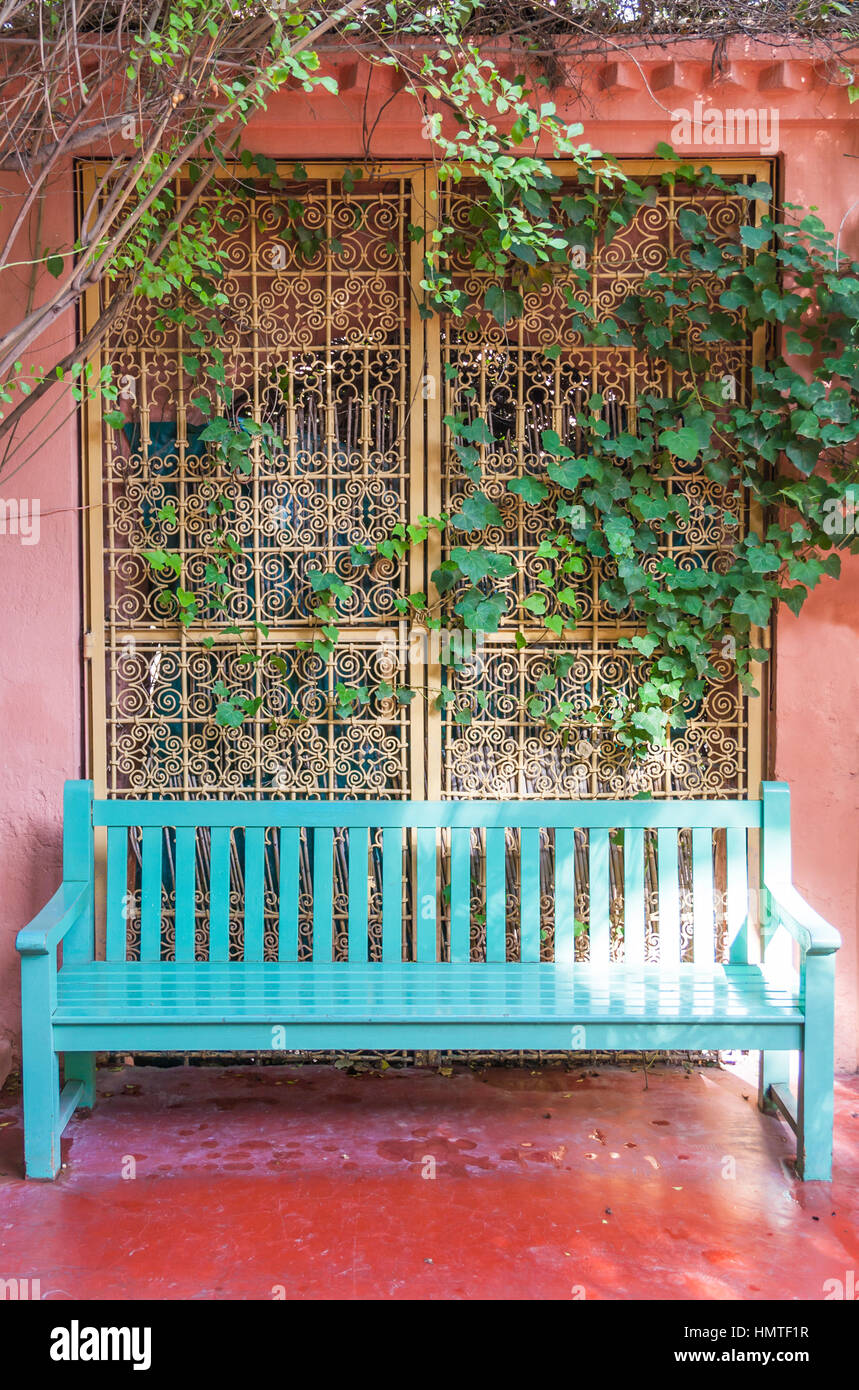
x=310, y=1182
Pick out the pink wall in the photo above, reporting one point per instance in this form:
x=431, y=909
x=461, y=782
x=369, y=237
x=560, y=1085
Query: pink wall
x=40, y=635
x=817, y=680
x=816, y=751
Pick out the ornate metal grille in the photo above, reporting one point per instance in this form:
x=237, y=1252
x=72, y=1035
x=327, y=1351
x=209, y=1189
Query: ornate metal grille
x=320, y=343
x=326, y=339
x=504, y=375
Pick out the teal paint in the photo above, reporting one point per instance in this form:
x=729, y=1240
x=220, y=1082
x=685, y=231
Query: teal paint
x=443, y=998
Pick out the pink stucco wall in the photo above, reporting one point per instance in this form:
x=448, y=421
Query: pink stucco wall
x=626, y=109
x=40, y=634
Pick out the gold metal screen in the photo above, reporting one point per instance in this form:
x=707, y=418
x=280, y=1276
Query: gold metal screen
x=504, y=375
x=322, y=345
x=325, y=338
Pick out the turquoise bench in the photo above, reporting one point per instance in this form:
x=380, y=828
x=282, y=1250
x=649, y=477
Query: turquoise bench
x=358, y=924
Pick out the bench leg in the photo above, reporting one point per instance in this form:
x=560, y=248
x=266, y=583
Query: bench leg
x=42, y=1127
x=815, y=1110
x=774, y=1071
x=80, y=1066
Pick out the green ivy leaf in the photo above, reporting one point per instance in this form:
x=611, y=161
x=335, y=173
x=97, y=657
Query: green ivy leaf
x=755, y=237
x=476, y=513
x=478, y=563
x=531, y=490
x=535, y=603
x=647, y=645
x=683, y=443
x=481, y=613
x=227, y=715
x=652, y=723
x=569, y=473
x=503, y=304
x=756, y=607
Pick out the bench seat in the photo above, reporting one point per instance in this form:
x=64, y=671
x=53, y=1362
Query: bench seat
x=272, y=1007
x=172, y=992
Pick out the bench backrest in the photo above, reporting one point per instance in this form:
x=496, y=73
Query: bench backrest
x=639, y=881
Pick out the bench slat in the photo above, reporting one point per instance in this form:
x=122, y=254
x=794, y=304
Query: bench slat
x=254, y=894
x=186, y=846
x=737, y=895
x=392, y=894
x=529, y=896
x=668, y=870
x=150, y=892
x=117, y=906
x=608, y=815
x=219, y=895
x=633, y=897
x=599, y=898
x=426, y=896
x=288, y=888
x=323, y=894
x=704, y=939
x=359, y=888
x=496, y=895
x=460, y=896
x=565, y=896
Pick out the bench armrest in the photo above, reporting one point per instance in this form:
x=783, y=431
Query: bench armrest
x=46, y=930
x=814, y=934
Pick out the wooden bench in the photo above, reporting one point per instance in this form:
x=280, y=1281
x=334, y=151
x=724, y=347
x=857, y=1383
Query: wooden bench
x=368, y=925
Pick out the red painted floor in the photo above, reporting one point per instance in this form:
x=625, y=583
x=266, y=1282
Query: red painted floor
x=309, y=1182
